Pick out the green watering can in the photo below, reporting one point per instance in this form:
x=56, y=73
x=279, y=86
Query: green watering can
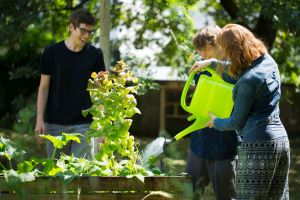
x=212, y=94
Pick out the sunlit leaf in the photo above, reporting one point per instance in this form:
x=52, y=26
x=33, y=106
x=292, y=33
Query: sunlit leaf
x=12, y=177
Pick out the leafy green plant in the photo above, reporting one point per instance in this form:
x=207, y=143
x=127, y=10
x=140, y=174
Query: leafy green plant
x=114, y=103
x=9, y=150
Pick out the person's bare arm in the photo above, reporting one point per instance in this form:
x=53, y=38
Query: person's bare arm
x=42, y=98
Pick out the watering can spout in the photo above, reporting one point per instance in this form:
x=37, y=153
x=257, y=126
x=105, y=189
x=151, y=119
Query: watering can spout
x=167, y=142
x=198, y=124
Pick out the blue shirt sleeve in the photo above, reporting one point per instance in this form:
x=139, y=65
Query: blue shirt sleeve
x=244, y=96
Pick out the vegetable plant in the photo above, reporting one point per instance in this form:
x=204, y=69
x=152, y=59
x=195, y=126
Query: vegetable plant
x=113, y=105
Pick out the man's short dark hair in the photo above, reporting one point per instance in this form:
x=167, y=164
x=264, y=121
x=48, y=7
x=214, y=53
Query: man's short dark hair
x=82, y=16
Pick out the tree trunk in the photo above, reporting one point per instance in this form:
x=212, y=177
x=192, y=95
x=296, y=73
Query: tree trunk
x=105, y=30
x=266, y=31
x=264, y=28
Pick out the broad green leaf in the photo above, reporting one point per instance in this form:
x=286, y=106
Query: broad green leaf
x=67, y=176
x=48, y=165
x=93, y=133
x=26, y=166
x=12, y=177
x=54, y=171
x=71, y=137
x=140, y=177
x=55, y=140
x=85, y=112
x=9, y=149
x=156, y=170
x=60, y=141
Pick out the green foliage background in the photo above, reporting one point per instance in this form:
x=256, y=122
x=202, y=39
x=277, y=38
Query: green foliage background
x=26, y=27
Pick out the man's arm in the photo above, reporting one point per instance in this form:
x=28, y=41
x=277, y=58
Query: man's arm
x=42, y=99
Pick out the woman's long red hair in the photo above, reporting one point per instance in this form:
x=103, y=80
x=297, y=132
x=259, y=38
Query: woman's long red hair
x=240, y=46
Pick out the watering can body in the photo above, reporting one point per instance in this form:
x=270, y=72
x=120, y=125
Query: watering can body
x=212, y=94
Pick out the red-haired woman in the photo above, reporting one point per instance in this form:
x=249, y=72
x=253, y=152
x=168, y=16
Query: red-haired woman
x=264, y=155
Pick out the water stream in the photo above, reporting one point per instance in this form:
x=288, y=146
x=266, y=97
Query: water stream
x=155, y=148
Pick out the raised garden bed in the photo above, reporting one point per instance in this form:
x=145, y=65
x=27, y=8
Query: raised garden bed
x=106, y=176
x=104, y=188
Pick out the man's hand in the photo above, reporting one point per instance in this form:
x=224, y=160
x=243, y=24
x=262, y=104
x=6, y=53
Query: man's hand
x=200, y=65
x=40, y=128
x=210, y=123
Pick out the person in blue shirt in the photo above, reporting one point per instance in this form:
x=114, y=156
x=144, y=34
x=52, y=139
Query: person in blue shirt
x=264, y=154
x=212, y=155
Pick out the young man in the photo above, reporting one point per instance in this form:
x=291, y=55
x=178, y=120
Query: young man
x=212, y=154
x=65, y=69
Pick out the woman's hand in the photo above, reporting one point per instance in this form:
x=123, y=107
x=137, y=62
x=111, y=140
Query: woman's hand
x=210, y=123
x=200, y=65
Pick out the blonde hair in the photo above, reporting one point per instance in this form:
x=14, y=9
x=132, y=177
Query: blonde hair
x=241, y=46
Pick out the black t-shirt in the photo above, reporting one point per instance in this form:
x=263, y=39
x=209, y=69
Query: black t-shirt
x=69, y=72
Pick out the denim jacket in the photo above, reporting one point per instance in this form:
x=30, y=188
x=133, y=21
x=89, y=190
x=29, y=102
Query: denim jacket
x=256, y=102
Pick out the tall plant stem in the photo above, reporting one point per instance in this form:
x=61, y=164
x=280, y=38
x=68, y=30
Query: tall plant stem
x=53, y=154
x=10, y=165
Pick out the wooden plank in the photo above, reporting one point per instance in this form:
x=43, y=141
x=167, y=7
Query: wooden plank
x=90, y=183
x=117, y=196
x=162, y=118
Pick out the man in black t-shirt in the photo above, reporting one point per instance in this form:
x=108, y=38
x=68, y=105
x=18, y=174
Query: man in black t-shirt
x=65, y=69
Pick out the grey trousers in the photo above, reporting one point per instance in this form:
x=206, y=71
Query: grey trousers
x=82, y=149
x=221, y=173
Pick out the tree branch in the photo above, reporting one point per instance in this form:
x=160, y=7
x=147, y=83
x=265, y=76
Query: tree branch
x=265, y=30
x=230, y=8
x=233, y=11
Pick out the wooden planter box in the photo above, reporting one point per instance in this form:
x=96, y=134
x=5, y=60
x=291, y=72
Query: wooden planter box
x=104, y=188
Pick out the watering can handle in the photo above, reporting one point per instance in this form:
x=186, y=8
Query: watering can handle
x=214, y=76
x=185, y=90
